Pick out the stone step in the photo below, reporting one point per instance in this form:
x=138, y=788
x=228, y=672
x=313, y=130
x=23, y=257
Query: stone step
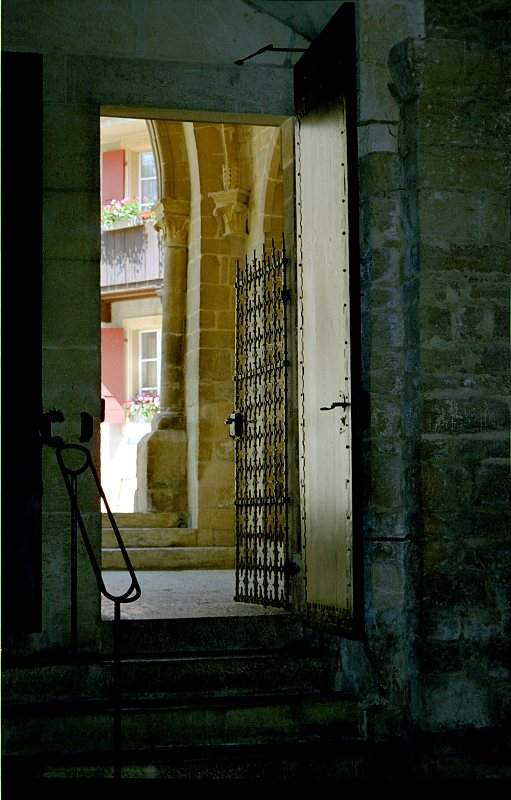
x=139, y=519
x=171, y=558
x=329, y=759
x=255, y=719
x=151, y=537
x=333, y=757
x=206, y=635
x=175, y=679
x=231, y=675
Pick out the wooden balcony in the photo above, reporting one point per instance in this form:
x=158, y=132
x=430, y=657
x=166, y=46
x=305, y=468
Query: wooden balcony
x=130, y=262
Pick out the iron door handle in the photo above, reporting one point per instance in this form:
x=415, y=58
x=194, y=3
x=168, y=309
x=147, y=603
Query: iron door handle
x=334, y=405
x=235, y=423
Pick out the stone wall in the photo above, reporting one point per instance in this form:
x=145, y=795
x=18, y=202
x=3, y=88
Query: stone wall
x=71, y=346
x=434, y=238
x=457, y=132
x=382, y=668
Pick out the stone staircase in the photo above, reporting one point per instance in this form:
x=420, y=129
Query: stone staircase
x=157, y=542
x=224, y=697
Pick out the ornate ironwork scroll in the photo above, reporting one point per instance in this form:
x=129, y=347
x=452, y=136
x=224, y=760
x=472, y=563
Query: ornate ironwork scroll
x=260, y=430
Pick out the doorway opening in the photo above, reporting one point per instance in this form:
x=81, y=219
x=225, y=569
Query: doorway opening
x=182, y=203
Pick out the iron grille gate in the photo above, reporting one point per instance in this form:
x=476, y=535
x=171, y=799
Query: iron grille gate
x=259, y=427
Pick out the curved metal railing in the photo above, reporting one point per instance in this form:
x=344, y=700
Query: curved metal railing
x=70, y=476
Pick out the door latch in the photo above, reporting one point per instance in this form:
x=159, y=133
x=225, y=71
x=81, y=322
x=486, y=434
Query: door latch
x=235, y=423
x=86, y=426
x=334, y=405
x=45, y=427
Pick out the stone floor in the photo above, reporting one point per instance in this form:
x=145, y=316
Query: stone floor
x=186, y=593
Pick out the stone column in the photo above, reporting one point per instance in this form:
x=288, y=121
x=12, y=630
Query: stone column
x=172, y=220
x=161, y=461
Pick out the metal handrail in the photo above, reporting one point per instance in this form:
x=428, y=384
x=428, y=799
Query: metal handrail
x=70, y=476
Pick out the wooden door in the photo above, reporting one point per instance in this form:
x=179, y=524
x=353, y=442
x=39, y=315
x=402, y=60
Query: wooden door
x=327, y=317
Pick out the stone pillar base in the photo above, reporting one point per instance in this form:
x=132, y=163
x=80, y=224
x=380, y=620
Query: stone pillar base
x=161, y=472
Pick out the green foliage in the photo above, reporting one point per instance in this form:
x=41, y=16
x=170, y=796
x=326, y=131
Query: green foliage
x=127, y=209
x=142, y=408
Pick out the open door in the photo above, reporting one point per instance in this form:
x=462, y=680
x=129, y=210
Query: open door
x=328, y=322
x=259, y=427
x=22, y=132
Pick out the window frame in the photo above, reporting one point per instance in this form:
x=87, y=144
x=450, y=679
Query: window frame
x=141, y=180
x=141, y=360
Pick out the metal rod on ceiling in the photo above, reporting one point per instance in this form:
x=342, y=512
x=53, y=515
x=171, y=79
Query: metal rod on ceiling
x=271, y=48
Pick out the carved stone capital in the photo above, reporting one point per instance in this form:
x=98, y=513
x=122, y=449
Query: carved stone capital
x=172, y=219
x=231, y=212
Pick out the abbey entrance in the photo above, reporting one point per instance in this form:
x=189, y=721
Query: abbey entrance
x=261, y=330
x=364, y=376
x=256, y=335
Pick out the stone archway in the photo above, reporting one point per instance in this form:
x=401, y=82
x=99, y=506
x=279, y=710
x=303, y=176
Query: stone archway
x=221, y=198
